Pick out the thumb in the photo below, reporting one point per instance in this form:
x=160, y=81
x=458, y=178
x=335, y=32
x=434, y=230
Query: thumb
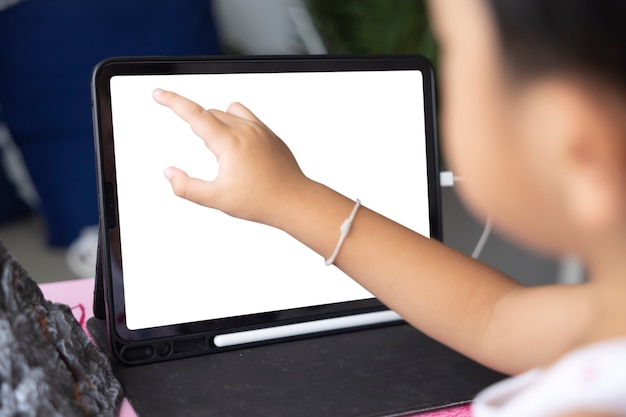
x=192, y=189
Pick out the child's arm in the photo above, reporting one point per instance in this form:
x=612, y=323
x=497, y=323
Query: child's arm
x=463, y=303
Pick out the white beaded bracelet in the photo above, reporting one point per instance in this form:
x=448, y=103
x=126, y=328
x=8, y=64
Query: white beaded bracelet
x=345, y=229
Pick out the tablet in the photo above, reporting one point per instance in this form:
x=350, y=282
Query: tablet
x=182, y=280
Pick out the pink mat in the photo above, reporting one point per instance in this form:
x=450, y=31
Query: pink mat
x=78, y=294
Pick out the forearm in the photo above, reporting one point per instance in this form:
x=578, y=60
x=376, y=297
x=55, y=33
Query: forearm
x=444, y=293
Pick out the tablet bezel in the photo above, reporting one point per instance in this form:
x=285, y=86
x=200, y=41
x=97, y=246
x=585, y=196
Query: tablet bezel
x=140, y=346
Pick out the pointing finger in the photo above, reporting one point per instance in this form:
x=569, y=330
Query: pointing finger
x=204, y=123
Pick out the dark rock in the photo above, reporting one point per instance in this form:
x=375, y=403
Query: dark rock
x=48, y=365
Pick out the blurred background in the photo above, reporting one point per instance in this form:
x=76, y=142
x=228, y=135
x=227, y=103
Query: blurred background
x=48, y=203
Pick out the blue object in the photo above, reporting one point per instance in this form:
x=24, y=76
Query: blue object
x=48, y=49
x=11, y=206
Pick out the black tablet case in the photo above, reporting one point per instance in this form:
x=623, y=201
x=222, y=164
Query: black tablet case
x=386, y=371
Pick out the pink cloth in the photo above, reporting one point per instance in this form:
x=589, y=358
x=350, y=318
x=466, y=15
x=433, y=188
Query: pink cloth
x=78, y=294
x=457, y=411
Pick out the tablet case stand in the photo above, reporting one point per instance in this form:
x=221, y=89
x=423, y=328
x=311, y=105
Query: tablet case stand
x=384, y=371
x=99, y=309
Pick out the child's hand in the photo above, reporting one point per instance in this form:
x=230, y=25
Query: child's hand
x=257, y=172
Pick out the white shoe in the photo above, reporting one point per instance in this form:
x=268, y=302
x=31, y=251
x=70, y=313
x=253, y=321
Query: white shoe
x=82, y=253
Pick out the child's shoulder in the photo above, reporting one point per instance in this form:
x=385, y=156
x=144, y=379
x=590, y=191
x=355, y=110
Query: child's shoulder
x=592, y=377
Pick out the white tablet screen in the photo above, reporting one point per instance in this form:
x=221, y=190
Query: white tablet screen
x=361, y=133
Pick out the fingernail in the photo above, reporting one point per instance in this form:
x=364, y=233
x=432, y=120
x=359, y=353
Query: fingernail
x=168, y=173
x=157, y=92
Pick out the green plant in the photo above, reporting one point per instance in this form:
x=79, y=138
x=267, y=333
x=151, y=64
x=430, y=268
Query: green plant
x=374, y=26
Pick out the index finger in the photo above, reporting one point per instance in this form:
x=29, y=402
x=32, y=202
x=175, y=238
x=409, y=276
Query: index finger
x=204, y=123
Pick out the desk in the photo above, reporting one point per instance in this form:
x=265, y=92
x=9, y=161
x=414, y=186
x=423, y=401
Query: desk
x=78, y=294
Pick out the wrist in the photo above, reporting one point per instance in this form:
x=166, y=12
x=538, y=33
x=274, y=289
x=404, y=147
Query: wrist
x=313, y=214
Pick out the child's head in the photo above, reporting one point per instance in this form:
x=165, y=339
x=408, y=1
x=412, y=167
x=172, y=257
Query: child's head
x=534, y=115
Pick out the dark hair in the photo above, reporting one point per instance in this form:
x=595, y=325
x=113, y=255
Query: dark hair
x=580, y=36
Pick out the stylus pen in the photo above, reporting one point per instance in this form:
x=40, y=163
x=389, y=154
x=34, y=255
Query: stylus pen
x=298, y=329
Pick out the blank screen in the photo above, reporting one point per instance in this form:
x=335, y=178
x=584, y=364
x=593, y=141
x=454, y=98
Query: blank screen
x=361, y=133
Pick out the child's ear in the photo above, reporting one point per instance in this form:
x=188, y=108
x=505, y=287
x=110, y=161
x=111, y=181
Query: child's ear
x=590, y=150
